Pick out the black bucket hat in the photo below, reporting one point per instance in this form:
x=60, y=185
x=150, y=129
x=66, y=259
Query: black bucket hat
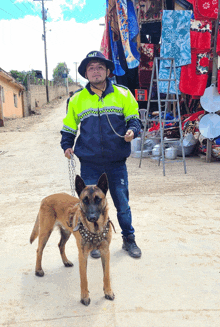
x=92, y=56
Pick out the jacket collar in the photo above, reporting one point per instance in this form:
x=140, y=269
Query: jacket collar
x=109, y=88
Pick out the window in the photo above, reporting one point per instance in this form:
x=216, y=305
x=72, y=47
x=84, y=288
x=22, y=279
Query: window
x=2, y=94
x=15, y=100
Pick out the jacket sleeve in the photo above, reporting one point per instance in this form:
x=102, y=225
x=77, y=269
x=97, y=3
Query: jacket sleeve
x=131, y=114
x=67, y=140
x=135, y=125
x=70, y=126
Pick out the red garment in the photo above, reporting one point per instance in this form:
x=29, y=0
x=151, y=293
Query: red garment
x=218, y=43
x=193, y=117
x=193, y=77
x=146, y=64
x=105, y=43
x=148, y=52
x=205, y=9
x=200, y=35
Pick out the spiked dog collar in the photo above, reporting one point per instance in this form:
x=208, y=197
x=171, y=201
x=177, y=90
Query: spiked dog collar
x=93, y=238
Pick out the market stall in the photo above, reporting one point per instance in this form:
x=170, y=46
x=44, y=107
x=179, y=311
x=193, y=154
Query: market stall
x=137, y=31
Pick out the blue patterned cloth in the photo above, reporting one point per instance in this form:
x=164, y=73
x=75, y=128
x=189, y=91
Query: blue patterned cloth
x=175, y=43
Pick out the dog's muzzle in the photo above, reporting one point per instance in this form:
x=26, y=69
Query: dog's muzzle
x=92, y=218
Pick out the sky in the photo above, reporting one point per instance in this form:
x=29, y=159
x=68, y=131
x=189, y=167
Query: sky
x=72, y=30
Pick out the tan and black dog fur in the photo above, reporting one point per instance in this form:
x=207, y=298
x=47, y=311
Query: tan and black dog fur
x=90, y=213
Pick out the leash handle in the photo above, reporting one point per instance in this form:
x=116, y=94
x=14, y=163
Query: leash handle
x=72, y=173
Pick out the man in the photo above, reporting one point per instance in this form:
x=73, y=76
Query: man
x=68, y=100
x=109, y=120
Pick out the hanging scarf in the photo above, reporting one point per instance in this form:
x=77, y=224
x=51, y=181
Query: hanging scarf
x=116, y=51
x=105, y=43
x=175, y=44
x=113, y=19
x=127, y=23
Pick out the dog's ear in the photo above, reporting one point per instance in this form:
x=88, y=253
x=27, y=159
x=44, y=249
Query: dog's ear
x=79, y=185
x=103, y=183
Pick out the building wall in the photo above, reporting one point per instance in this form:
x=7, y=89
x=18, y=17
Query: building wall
x=10, y=110
x=36, y=95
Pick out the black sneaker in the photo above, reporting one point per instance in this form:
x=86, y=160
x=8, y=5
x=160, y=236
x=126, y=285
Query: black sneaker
x=130, y=245
x=95, y=254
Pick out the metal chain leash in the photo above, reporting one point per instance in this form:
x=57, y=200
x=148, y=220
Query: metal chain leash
x=72, y=173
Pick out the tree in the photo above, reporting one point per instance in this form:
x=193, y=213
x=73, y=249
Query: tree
x=21, y=77
x=58, y=72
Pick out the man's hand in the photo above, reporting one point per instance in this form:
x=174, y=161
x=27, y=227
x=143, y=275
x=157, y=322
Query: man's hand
x=129, y=135
x=68, y=152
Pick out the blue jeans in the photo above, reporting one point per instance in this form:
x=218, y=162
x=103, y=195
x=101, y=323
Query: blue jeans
x=118, y=187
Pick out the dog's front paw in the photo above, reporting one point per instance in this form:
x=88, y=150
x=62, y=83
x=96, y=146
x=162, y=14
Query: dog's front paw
x=68, y=263
x=85, y=301
x=110, y=296
x=39, y=273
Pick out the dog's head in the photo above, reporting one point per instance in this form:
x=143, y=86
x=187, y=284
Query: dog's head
x=92, y=198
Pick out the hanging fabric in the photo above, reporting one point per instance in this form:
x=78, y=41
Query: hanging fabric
x=148, y=52
x=105, y=43
x=113, y=19
x=150, y=11
x=129, y=30
x=175, y=43
x=205, y=9
x=116, y=48
x=193, y=78
x=200, y=35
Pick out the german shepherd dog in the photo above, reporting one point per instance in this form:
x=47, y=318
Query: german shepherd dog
x=87, y=218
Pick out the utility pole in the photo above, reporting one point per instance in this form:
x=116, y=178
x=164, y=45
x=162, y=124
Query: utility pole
x=44, y=17
x=76, y=70
x=66, y=80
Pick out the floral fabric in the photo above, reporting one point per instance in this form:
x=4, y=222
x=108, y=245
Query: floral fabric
x=205, y=9
x=146, y=64
x=200, y=35
x=150, y=10
x=202, y=63
x=194, y=77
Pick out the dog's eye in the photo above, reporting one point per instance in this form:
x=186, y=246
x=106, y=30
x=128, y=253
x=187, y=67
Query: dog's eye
x=86, y=200
x=97, y=199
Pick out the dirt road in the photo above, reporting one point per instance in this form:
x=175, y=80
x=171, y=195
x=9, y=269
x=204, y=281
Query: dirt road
x=176, y=218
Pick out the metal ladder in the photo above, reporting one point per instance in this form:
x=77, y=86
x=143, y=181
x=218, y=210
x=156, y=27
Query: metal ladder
x=163, y=120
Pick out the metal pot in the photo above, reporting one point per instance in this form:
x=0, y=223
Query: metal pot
x=156, y=152
x=171, y=153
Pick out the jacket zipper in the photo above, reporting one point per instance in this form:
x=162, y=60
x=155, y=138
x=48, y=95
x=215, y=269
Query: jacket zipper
x=100, y=127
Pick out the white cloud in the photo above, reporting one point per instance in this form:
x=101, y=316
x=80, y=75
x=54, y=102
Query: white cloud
x=67, y=41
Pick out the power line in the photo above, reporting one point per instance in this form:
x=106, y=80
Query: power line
x=6, y=12
x=24, y=5
x=16, y=6
x=33, y=8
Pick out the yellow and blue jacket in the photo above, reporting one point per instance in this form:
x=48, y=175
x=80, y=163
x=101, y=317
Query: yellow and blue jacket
x=97, y=142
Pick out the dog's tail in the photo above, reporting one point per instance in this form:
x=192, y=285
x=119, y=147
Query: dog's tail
x=35, y=230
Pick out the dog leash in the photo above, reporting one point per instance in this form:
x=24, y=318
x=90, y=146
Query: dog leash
x=72, y=173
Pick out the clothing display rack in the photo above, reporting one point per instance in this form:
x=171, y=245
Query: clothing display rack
x=162, y=115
